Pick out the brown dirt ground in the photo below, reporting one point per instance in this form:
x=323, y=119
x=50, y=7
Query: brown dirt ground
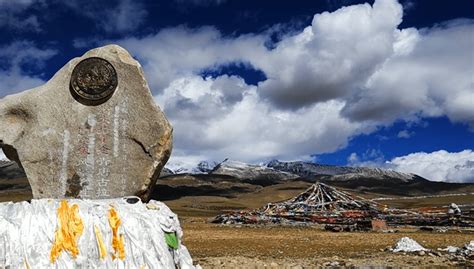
x=220, y=246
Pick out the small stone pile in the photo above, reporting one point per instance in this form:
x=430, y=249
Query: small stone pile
x=406, y=244
x=457, y=255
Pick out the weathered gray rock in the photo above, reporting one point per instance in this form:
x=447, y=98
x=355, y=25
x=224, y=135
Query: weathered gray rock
x=70, y=148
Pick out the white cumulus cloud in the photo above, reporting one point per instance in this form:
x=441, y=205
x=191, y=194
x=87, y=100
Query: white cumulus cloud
x=224, y=117
x=15, y=56
x=438, y=165
x=332, y=57
x=347, y=73
x=431, y=78
x=177, y=52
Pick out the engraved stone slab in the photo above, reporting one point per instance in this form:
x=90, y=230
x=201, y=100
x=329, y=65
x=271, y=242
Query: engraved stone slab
x=92, y=131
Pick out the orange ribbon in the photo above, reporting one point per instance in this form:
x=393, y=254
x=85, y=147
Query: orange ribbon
x=69, y=229
x=117, y=242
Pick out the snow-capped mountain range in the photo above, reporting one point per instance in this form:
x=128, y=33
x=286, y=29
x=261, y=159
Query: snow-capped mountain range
x=202, y=167
x=305, y=169
x=278, y=170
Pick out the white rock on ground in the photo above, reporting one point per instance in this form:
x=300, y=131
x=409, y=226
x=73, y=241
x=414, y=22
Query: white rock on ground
x=28, y=232
x=470, y=246
x=406, y=244
x=450, y=249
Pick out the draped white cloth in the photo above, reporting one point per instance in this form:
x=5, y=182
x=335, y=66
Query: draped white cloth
x=27, y=233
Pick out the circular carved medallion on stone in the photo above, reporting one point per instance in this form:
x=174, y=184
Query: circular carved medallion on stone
x=93, y=81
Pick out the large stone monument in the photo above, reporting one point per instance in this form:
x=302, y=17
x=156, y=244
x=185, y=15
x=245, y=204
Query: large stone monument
x=93, y=131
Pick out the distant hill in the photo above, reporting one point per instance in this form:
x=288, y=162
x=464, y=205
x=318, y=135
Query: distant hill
x=230, y=178
x=10, y=170
x=365, y=179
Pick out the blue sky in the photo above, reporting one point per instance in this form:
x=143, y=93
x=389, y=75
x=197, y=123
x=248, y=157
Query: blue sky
x=382, y=83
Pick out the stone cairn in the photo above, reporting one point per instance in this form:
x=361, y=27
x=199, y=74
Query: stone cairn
x=92, y=142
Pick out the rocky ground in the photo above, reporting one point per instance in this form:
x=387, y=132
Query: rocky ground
x=375, y=261
x=218, y=246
